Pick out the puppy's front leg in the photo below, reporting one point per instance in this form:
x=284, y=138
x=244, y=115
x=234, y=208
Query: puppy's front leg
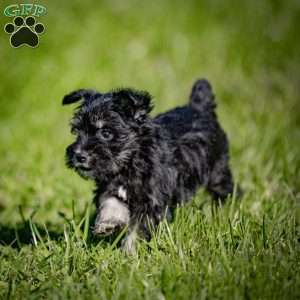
x=142, y=226
x=129, y=241
x=112, y=214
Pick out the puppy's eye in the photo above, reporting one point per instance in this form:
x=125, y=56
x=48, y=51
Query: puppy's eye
x=141, y=119
x=106, y=134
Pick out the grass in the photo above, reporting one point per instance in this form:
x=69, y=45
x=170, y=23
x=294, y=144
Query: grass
x=247, y=249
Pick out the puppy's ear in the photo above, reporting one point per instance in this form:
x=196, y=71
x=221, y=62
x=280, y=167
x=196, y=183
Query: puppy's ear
x=132, y=103
x=86, y=95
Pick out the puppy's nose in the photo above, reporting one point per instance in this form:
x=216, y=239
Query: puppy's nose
x=81, y=158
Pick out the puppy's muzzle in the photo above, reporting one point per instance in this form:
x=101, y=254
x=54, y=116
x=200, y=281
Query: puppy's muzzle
x=81, y=160
x=80, y=157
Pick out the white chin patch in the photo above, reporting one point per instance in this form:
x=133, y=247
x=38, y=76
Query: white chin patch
x=86, y=173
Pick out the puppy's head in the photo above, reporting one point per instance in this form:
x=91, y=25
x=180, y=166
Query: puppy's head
x=108, y=129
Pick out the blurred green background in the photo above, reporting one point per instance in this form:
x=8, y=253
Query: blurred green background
x=249, y=50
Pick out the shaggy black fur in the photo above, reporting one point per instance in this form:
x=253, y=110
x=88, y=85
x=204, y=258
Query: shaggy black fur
x=147, y=165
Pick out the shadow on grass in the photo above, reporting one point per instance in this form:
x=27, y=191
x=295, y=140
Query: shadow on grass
x=29, y=233
x=22, y=233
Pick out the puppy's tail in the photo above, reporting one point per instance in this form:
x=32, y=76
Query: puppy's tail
x=202, y=96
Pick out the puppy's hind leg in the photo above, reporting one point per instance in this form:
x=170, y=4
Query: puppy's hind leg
x=220, y=185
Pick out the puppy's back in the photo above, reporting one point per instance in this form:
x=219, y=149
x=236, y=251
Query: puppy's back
x=197, y=115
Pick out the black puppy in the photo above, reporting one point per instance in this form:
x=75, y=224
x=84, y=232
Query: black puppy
x=144, y=167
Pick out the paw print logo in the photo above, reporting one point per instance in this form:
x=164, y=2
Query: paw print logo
x=24, y=32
